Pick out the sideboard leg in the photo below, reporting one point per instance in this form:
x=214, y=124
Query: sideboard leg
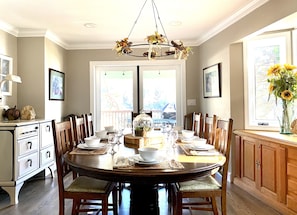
x=13, y=193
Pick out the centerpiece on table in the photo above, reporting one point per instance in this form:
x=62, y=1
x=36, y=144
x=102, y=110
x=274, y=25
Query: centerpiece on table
x=142, y=124
x=282, y=81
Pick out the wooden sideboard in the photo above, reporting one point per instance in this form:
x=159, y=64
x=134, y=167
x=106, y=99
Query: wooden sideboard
x=266, y=167
x=26, y=148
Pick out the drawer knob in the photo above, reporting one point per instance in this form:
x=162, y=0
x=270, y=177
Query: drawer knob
x=48, y=154
x=29, y=144
x=29, y=161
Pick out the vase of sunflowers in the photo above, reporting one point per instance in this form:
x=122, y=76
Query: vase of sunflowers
x=282, y=81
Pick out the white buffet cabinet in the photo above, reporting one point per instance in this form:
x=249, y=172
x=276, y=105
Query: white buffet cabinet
x=26, y=148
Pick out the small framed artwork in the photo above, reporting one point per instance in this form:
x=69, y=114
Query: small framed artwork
x=5, y=69
x=56, y=85
x=212, y=81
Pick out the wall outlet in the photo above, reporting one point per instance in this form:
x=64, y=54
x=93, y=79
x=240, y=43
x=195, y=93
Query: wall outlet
x=191, y=102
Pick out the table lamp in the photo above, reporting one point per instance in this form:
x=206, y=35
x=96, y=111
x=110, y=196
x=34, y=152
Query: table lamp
x=9, y=77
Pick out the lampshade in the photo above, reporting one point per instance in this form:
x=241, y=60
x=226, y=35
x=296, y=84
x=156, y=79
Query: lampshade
x=13, y=78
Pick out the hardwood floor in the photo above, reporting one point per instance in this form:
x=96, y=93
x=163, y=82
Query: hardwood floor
x=40, y=197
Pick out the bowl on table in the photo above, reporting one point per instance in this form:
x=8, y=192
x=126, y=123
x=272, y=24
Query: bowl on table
x=109, y=128
x=148, y=154
x=101, y=134
x=187, y=134
x=92, y=141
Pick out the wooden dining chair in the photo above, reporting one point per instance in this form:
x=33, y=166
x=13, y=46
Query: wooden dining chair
x=79, y=129
x=89, y=125
x=189, y=121
x=207, y=188
x=198, y=124
x=82, y=189
x=210, y=123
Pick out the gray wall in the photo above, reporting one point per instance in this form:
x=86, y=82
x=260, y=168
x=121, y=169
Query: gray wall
x=36, y=55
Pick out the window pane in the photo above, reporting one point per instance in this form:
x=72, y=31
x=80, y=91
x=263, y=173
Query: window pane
x=116, y=98
x=262, y=52
x=159, y=94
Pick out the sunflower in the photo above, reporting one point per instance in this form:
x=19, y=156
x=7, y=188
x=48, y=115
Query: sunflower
x=287, y=95
x=274, y=70
x=282, y=81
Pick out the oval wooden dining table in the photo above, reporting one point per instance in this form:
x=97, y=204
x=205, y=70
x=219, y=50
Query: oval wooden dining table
x=144, y=179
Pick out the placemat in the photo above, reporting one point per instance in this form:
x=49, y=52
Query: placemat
x=100, y=151
x=191, y=152
x=125, y=163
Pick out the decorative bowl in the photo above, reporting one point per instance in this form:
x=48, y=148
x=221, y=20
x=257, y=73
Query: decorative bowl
x=187, y=134
x=148, y=153
x=92, y=141
x=101, y=134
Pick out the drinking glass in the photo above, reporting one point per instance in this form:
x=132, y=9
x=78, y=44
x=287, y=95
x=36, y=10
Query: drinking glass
x=119, y=133
x=174, y=137
x=112, y=140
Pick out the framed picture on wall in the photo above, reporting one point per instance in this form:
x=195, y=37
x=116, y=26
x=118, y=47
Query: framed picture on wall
x=5, y=69
x=56, y=85
x=212, y=81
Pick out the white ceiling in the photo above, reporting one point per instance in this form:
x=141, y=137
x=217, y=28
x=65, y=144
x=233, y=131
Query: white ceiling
x=63, y=20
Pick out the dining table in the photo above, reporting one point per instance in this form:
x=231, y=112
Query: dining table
x=173, y=164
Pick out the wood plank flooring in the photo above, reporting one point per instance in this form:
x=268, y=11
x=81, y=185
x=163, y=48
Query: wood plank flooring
x=40, y=197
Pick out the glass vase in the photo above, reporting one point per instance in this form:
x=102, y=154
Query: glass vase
x=286, y=117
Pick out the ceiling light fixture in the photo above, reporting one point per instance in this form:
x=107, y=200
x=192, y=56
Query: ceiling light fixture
x=157, y=44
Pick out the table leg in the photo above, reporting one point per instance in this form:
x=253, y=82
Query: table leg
x=144, y=199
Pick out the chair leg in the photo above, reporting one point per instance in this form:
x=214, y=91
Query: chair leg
x=214, y=205
x=75, y=206
x=178, y=204
x=224, y=204
x=104, y=206
x=61, y=206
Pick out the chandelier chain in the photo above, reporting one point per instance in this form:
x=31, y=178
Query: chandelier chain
x=137, y=18
x=155, y=6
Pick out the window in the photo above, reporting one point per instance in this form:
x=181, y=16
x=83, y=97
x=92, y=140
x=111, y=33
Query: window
x=260, y=53
x=117, y=88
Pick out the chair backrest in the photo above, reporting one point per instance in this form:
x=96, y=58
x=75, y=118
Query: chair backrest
x=64, y=142
x=223, y=136
x=210, y=124
x=189, y=121
x=89, y=125
x=79, y=129
x=198, y=124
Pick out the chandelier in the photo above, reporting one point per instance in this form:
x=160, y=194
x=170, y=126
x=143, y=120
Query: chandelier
x=157, y=44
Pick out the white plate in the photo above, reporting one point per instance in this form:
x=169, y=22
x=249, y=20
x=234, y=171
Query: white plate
x=137, y=159
x=194, y=139
x=203, y=147
x=85, y=146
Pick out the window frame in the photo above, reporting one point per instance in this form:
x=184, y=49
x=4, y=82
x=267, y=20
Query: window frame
x=250, y=87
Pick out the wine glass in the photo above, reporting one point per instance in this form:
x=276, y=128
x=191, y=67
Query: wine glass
x=174, y=137
x=112, y=140
x=119, y=133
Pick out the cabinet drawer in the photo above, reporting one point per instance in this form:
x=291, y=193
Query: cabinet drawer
x=47, y=155
x=28, y=164
x=46, y=135
x=28, y=145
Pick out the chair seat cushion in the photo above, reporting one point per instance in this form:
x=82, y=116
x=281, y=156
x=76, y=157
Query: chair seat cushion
x=87, y=184
x=203, y=183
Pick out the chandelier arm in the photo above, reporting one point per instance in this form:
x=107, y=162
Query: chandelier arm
x=155, y=6
x=137, y=19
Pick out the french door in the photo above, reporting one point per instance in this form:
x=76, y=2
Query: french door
x=118, y=88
